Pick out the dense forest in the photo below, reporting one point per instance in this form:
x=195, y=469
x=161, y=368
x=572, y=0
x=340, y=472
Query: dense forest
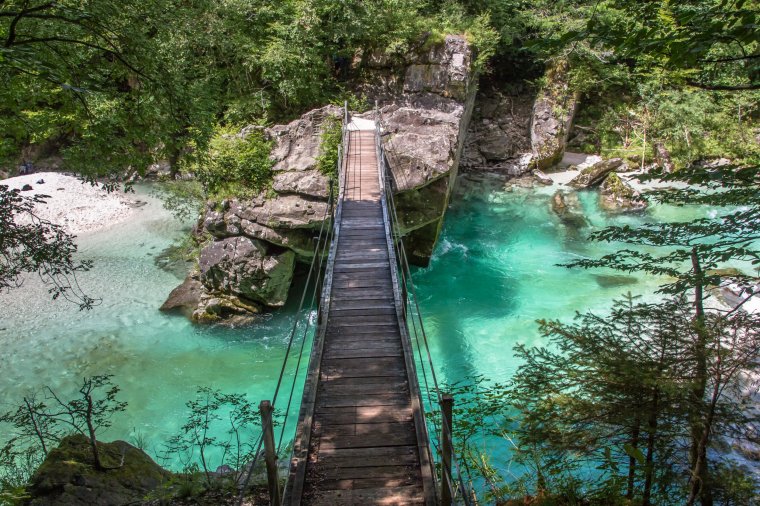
x=634, y=407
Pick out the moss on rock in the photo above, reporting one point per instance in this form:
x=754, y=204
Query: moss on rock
x=68, y=475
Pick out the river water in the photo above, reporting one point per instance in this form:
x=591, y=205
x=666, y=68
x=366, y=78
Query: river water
x=492, y=275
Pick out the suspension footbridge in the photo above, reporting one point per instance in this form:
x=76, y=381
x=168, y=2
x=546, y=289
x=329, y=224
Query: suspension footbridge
x=362, y=434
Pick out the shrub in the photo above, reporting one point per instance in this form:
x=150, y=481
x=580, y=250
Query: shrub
x=235, y=165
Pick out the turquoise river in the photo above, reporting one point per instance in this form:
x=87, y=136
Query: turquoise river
x=492, y=275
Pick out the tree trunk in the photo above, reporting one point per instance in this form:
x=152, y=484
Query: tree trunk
x=651, y=440
x=632, y=459
x=662, y=157
x=698, y=482
x=36, y=426
x=91, y=432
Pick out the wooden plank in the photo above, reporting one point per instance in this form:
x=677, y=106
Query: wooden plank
x=369, y=330
x=367, y=493
x=359, y=429
x=382, y=310
x=367, y=441
x=364, y=344
x=365, y=353
x=361, y=414
x=336, y=320
x=346, y=303
x=338, y=400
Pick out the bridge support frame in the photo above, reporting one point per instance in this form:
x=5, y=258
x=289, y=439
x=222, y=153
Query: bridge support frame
x=447, y=492
x=270, y=453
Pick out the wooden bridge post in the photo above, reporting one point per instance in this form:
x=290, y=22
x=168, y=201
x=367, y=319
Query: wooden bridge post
x=270, y=454
x=447, y=492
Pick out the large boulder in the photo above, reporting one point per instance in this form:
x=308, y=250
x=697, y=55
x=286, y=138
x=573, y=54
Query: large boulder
x=296, y=152
x=425, y=117
x=296, y=145
x=596, y=174
x=68, y=475
x=553, y=113
x=185, y=298
x=444, y=69
x=247, y=268
x=616, y=195
x=422, y=144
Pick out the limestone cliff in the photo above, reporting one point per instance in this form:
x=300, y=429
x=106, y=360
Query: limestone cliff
x=517, y=128
x=425, y=113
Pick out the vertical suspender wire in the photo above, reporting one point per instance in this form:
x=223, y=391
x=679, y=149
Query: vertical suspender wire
x=320, y=249
x=287, y=353
x=405, y=265
x=284, y=364
x=398, y=248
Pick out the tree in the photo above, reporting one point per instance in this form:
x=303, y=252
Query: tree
x=29, y=244
x=47, y=421
x=704, y=44
x=616, y=392
x=209, y=413
x=690, y=253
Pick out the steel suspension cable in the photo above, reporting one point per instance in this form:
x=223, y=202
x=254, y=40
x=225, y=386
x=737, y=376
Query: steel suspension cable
x=317, y=249
x=405, y=267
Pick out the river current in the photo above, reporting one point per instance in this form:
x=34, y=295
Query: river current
x=492, y=275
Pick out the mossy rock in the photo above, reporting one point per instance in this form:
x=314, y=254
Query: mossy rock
x=727, y=272
x=68, y=475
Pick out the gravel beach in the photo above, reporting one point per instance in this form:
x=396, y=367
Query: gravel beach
x=77, y=206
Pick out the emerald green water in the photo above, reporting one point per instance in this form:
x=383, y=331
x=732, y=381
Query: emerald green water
x=492, y=275
x=158, y=360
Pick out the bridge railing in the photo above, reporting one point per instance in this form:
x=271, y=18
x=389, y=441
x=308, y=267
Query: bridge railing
x=453, y=486
x=309, y=324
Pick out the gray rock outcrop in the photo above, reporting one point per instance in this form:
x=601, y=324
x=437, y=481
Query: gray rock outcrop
x=498, y=139
x=596, y=174
x=425, y=117
x=247, y=268
x=553, y=113
x=185, y=298
x=68, y=475
x=616, y=195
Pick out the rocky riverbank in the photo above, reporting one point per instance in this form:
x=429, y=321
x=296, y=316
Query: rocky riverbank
x=75, y=205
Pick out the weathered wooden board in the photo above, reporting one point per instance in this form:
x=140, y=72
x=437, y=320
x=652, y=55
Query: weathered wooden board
x=363, y=446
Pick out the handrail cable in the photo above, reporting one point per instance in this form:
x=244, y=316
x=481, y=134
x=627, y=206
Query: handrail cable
x=319, y=249
x=408, y=281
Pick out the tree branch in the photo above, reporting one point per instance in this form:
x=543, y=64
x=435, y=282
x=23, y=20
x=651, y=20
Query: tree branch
x=723, y=87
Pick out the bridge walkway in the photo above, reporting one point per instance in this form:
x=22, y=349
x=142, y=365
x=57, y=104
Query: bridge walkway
x=361, y=437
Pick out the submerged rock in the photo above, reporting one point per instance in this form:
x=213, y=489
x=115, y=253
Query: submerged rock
x=68, y=476
x=595, y=175
x=614, y=280
x=618, y=196
x=568, y=208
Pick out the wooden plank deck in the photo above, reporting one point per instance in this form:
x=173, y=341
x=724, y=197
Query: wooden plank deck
x=364, y=421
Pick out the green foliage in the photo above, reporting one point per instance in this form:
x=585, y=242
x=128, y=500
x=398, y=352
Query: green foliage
x=183, y=198
x=29, y=244
x=235, y=165
x=332, y=135
x=208, y=412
